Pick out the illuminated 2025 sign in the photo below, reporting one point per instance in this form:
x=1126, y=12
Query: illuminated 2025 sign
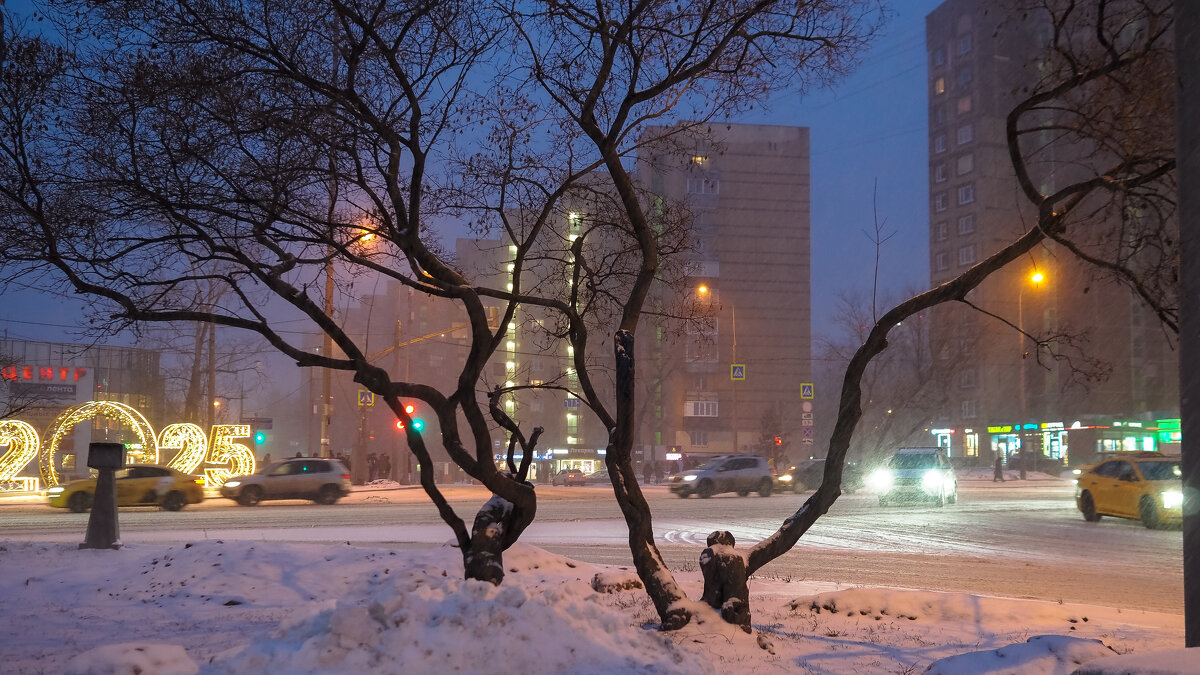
x=192, y=447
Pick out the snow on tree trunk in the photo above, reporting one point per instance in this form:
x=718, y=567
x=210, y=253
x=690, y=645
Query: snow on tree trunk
x=494, y=530
x=726, y=585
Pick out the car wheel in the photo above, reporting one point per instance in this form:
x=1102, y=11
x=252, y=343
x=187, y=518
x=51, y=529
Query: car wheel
x=327, y=495
x=1088, y=507
x=173, y=501
x=764, y=488
x=250, y=495
x=705, y=489
x=1149, y=513
x=79, y=502
x=684, y=494
x=743, y=493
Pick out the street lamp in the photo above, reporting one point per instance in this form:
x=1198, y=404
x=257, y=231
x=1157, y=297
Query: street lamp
x=703, y=291
x=1037, y=278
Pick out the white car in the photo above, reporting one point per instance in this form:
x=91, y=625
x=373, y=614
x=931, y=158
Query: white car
x=915, y=474
x=322, y=480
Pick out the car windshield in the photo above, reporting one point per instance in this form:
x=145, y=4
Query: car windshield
x=917, y=460
x=711, y=464
x=1160, y=470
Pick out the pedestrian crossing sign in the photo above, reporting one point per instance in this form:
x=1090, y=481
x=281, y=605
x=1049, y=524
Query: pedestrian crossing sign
x=737, y=371
x=366, y=398
x=806, y=390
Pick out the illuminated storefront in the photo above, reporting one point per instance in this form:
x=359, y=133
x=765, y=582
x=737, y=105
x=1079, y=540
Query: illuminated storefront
x=1064, y=443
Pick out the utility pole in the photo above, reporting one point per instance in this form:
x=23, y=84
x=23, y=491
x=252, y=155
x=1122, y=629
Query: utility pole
x=1187, y=138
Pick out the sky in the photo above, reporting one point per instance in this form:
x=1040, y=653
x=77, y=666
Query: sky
x=871, y=129
x=219, y=605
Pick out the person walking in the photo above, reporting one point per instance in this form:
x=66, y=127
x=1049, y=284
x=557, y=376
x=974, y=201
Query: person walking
x=998, y=473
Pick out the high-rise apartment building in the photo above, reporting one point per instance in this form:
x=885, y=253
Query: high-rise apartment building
x=707, y=391
x=1000, y=397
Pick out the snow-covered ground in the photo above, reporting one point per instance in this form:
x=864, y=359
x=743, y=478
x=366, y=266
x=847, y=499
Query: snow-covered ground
x=272, y=607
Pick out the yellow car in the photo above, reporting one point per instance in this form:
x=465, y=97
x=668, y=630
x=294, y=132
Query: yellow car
x=1143, y=486
x=137, y=485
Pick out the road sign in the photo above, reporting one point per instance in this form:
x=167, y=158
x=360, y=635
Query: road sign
x=806, y=423
x=806, y=390
x=806, y=406
x=806, y=416
x=259, y=422
x=366, y=398
x=737, y=371
x=807, y=435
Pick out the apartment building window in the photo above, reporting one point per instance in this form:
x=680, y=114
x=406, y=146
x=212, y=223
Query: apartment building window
x=939, y=143
x=699, y=438
x=939, y=86
x=939, y=115
x=939, y=173
x=964, y=76
x=964, y=105
x=703, y=185
x=940, y=262
x=966, y=255
x=966, y=134
x=700, y=409
x=966, y=224
x=966, y=347
x=700, y=382
x=966, y=194
x=939, y=56
x=965, y=164
x=940, y=203
x=968, y=410
x=968, y=378
x=964, y=44
x=941, y=232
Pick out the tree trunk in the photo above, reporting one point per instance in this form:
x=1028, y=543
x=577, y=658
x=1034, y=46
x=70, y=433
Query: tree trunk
x=497, y=526
x=726, y=584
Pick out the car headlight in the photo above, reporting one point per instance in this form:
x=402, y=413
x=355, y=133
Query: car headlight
x=1077, y=471
x=689, y=478
x=880, y=480
x=1172, y=499
x=232, y=483
x=785, y=478
x=58, y=489
x=933, y=482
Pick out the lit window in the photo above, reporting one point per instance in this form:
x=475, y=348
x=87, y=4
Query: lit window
x=966, y=224
x=966, y=164
x=939, y=173
x=699, y=159
x=964, y=44
x=939, y=143
x=939, y=86
x=966, y=194
x=510, y=345
x=573, y=217
x=966, y=255
x=940, y=203
x=966, y=134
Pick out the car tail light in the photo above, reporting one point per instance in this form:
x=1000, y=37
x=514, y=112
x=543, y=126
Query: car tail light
x=345, y=476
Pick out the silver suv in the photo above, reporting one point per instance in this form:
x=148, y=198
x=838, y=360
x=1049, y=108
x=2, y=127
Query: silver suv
x=322, y=480
x=742, y=474
x=915, y=474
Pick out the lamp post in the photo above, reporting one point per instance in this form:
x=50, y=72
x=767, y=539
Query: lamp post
x=1037, y=278
x=702, y=290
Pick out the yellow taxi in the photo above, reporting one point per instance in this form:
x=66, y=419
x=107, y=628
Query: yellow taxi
x=137, y=485
x=1142, y=486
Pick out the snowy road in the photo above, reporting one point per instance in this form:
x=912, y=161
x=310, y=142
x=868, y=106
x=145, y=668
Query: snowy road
x=1016, y=539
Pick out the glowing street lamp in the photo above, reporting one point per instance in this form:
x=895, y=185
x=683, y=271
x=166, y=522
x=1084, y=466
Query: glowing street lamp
x=1037, y=277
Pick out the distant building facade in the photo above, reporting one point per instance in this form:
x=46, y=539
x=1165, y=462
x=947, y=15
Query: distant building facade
x=1001, y=399
x=706, y=392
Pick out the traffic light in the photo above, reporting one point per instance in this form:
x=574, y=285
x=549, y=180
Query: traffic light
x=779, y=440
x=417, y=423
x=260, y=437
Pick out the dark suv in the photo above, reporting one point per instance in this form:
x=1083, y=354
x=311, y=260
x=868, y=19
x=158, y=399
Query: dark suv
x=322, y=480
x=742, y=474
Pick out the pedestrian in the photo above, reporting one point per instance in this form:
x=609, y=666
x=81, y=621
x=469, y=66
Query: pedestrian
x=998, y=473
x=646, y=471
x=266, y=459
x=298, y=454
x=658, y=472
x=372, y=464
x=384, y=467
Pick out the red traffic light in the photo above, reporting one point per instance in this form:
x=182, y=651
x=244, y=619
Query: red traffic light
x=779, y=440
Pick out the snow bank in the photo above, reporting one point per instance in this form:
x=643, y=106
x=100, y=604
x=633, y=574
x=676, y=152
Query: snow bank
x=1167, y=662
x=1056, y=654
x=133, y=658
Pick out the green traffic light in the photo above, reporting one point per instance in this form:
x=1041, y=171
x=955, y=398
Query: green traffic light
x=260, y=437
x=418, y=425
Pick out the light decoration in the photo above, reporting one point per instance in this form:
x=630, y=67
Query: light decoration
x=239, y=458
x=22, y=441
x=192, y=445
x=110, y=410
x=189, y=442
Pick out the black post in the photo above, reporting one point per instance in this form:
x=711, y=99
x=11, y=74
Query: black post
x=103, y=530
x=1187, y=66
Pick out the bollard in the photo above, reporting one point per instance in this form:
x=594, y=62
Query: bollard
x=102, y=529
